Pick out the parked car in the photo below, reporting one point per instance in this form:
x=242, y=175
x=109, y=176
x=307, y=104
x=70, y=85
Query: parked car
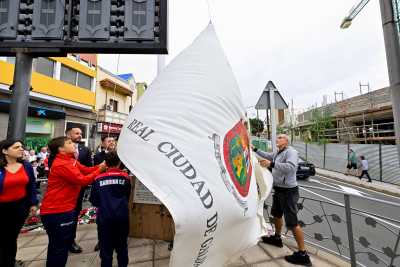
x=305, y=169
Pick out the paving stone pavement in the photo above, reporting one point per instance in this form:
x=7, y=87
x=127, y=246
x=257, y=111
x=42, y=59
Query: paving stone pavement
x=32, y=249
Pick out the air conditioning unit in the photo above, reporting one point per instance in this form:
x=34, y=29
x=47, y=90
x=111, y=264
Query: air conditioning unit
x=107, y=107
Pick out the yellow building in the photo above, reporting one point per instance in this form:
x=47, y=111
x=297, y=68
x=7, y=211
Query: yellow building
x=63, y=94
x=115, y=96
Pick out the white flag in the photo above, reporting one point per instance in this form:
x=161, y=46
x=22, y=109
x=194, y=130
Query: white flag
x=186, y=141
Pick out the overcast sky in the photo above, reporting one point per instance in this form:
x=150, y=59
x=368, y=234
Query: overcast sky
x=296, y=44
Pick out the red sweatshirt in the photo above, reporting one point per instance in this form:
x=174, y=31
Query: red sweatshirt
x=66, y=178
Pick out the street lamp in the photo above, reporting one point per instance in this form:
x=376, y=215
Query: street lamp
x=392, y=48
x=353, y=13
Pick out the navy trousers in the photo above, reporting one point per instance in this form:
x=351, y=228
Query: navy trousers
x=113, y=236
x=60, y=228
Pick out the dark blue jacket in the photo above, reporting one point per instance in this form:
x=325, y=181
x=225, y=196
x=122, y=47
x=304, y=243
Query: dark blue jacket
x=31, y=195
x=110, y=194
x=85, y=155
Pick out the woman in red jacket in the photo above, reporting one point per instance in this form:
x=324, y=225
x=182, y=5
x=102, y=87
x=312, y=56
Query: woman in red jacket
x=17, y=197
x=66, y=178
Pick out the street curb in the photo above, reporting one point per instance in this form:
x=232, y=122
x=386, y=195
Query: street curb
x=315, y=252
x=366, y=185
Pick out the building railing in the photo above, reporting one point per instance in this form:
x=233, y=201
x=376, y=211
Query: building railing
x=111, y=116
x=361, y=237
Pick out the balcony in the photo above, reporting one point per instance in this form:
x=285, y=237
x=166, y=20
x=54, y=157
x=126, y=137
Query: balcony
x=106, y=115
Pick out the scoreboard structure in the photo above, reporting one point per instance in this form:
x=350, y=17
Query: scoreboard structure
x=58, y=27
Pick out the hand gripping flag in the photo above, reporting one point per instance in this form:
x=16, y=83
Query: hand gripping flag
x=187, y=142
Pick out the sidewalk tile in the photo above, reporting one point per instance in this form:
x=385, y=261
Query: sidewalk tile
x=39, y=240
x=86, y=235
x=236, y=262
x=162, y=263
x=333, y=259
x=142, y=264
x=81, y=260
x=254, y=254
x=30, y=253
x=39, y=263
x=276, y=252
x=140, y=254
x=24, y=240
x=88, y=245
x=265, y=264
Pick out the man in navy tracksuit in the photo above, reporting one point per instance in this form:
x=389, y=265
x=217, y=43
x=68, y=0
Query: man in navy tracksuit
x=110, y=194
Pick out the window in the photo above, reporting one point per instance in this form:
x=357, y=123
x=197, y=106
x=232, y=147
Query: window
x=114, y=105
x=4, y=5
x=84, y=81
x=75, y=78
x=68, y=75
x=44, y=66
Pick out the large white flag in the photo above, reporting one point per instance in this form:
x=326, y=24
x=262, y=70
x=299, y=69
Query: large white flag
x=186, y=141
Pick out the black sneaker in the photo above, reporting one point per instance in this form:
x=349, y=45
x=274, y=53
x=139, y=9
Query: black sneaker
x=299, y=258
x=75, y=248
x=272, y=240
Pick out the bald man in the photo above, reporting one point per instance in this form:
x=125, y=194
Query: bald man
x=283, y=165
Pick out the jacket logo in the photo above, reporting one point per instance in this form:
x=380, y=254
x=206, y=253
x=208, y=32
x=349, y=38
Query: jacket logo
x=237, y=158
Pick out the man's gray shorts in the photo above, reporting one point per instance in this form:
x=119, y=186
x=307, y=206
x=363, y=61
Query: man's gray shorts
x=284, y=203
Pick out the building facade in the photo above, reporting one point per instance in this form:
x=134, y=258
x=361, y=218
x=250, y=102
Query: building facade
x=62, y=95
x=367, y=118
x=115, y=97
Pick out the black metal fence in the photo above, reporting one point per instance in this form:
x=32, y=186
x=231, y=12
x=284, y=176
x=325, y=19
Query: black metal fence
x=360, y=237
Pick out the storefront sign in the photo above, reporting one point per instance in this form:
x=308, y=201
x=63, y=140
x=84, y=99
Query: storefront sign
x=37, y=112
x=105, y=127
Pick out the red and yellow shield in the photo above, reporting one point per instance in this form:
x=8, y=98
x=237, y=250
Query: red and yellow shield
x=237, y=158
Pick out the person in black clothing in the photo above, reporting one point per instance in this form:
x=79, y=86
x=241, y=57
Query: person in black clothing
x=107, y=144
x=84, y=156
x=110, y=194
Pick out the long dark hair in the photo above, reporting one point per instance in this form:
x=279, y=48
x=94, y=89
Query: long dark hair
x=6, y=144
x=54, y=145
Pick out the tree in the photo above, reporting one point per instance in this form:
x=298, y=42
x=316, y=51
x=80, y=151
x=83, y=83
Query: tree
x=257, y=126
x=321, y=121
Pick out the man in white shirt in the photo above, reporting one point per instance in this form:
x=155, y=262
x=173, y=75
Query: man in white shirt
x=364, y=169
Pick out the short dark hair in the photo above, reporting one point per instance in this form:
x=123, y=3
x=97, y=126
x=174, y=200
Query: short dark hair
x=69, y=128
x=362, y=157
x=112, y=159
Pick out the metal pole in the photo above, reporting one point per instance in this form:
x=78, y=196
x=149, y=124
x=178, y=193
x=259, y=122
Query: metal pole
x=273, y=118
x=160, y=63
x=380, y=163
x=350, y=236
x=20, y=96
x=392, y=47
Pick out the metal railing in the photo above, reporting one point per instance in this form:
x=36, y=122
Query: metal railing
x=363, y=238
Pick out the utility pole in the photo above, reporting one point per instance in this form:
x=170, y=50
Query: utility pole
x=392, y=47
x=273, y=117
x=20, y=96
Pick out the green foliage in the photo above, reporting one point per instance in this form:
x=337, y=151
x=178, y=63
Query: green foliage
x=257, y=126
x=321, y=121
